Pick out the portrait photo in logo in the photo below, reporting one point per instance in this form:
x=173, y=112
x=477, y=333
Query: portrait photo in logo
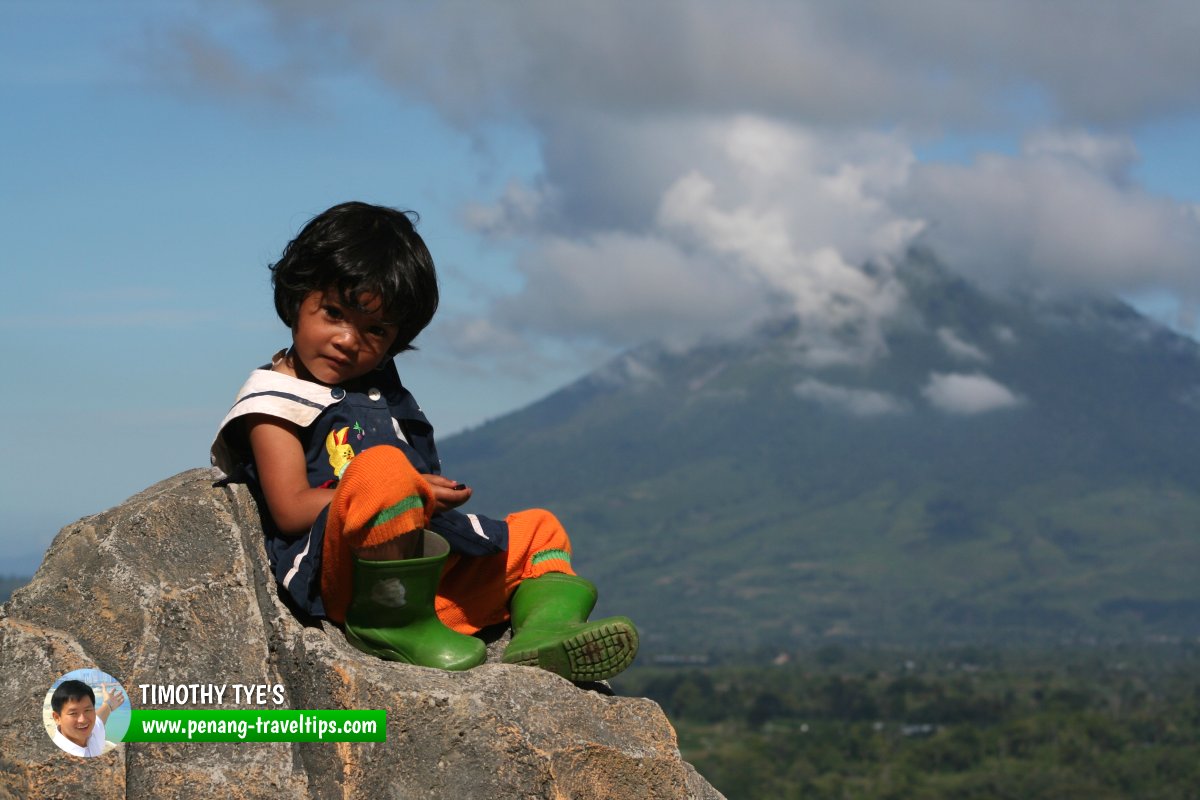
x=86, y=712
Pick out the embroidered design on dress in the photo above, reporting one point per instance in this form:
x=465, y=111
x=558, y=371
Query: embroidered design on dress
x=340, y=452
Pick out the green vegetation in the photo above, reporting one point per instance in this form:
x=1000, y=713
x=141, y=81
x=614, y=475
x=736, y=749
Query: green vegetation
x=711, y=499
x=1118, y=722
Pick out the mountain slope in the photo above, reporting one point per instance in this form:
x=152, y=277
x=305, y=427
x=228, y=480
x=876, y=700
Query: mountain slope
x=1013, y=466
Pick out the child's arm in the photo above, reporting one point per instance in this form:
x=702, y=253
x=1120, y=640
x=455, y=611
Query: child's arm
x=283, y=474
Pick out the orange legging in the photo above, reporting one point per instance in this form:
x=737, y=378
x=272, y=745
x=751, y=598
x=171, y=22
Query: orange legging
x=380, y=496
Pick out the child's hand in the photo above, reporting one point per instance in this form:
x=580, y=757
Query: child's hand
x=448, y=494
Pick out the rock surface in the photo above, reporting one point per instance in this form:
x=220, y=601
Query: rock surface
x=173, y=587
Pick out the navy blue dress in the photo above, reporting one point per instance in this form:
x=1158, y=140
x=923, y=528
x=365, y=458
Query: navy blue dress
x=336, y=423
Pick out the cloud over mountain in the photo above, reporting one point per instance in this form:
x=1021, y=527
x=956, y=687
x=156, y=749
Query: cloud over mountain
x=705, y=165
x=1066, y=211
x=959, y=347
x=851, y=63
x=963, y=394
x=856, y=402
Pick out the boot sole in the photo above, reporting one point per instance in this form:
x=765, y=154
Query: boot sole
x=592, y=655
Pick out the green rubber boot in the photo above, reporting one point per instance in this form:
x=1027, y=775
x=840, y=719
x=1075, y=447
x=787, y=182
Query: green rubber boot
x=551, y=631
x=391, y=614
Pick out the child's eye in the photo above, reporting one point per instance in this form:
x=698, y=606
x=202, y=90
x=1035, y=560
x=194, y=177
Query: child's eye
x=377, y=330
x=333, y=311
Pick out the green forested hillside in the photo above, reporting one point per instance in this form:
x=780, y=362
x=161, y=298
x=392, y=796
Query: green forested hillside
x=1094, y=723
x=733, y=495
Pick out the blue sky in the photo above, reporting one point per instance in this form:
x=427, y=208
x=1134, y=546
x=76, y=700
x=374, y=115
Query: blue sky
x=588, y=177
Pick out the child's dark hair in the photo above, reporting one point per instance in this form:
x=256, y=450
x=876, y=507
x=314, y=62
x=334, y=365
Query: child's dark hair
x=356, y=248
x=70, y=690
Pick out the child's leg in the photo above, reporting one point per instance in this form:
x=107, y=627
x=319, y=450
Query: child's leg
x=474, y=592
x=377, y=514
x=374, y=580
x=549, y=604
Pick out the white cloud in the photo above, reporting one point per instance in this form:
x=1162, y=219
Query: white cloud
x=645, y=228
x=857, y=402
x=958, y=393
x=707, y=164
x=1057, y=217
x=855, y=62
x=958, y=347
x=220, y=68
x=623, y=289
x=627, y=370
x=777, y=219
x=678, y=227
x=477, y=335
x=515, y=212
x=767, y=217
x=1111, y=156
x=1004, y=334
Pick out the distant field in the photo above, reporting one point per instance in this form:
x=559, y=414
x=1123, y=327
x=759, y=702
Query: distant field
x=967, y=723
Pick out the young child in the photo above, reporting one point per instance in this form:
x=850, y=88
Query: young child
x=361, y=526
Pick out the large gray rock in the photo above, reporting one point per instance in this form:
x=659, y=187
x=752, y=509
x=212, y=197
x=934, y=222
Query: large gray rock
x=173, y=587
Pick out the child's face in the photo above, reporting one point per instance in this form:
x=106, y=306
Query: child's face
x=76, y=720
x=335, y=343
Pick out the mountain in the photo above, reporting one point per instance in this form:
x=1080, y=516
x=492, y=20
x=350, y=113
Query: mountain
x=1015, y=465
